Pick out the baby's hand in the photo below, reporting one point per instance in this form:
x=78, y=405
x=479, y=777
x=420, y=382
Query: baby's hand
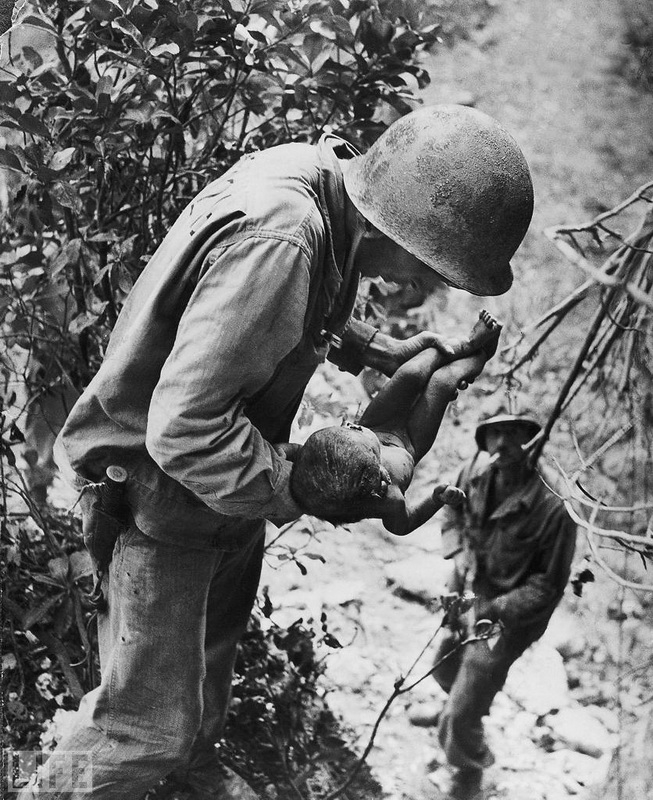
x=448, y=495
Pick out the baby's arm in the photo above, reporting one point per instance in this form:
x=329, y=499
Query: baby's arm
x=401, y=516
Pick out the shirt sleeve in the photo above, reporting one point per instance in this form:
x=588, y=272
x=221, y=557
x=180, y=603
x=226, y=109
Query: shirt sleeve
x=535, y=599
x=349, y=355
x=245, y=315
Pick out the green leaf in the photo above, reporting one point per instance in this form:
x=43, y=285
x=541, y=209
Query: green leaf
x=47, y=580
x=30, y=124
x=104, y=85
x=32, y=56
x=166, y=49
x=320, y=27
x=189, y=20
x=104, y=10
x=81, y=322
x=61, y=159
x=291, y=54
x=8, y=93
x=341, y=25
x=34, y=615
x=15, y=434
x=69, y=254
x=9, y=161
x=124, y=279
x=81, y=565
x=259, y=37
x=38, y=22
x=128, y=28
x=7, y=452
x=65, y=195
x=313, y=45
x=58, y=568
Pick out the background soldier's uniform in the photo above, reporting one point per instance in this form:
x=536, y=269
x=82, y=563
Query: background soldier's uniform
x=516, y=558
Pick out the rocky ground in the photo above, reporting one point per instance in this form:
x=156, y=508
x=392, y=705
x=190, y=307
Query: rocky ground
x=554, y=728
x=553, y=72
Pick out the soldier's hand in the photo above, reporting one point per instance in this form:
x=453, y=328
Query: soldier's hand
x=398, y=351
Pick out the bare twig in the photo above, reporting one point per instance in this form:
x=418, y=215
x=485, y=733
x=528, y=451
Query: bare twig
x=399, y=689
x=590, y=525
x=583, y=227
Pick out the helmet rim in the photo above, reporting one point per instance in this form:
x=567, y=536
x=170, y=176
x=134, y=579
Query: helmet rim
x=518, y=420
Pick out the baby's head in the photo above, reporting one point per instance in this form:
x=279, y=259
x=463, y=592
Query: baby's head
x=336, y=471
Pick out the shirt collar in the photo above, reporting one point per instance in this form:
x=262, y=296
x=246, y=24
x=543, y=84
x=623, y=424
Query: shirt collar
x=331, y=190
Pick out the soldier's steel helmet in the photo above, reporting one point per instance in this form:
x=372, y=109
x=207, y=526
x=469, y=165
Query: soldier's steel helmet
x=452, y=187
x=532, y=425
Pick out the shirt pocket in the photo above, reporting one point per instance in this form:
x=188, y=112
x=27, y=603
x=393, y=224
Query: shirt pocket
x=510, y=551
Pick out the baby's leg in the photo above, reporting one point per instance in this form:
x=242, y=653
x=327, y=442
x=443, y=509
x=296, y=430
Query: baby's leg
x=428, y=412
x=390, y=408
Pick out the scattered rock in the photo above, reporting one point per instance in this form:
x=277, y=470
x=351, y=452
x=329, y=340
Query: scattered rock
x=565, y=634
x=347, y=668
x=538, y=681
x=608, y=718
x=343, y=592
x=419, y=578
x=585, y=770
x=580, y=730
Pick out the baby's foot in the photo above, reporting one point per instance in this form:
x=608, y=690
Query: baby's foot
x=485, y=334
x=448, y=495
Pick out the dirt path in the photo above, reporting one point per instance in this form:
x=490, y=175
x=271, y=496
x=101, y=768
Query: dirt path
x=547, y=70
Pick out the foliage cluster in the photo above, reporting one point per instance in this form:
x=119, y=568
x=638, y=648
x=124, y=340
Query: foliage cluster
x=128, y=108
x=49, y=657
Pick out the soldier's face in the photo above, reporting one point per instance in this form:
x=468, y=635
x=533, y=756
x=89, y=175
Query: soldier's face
x=506, y=442
x=380, y=257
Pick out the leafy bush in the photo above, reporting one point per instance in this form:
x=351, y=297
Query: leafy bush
x=49, y=657
x=128, y=108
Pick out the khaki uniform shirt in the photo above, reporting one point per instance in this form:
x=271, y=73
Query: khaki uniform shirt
x=214, y=347
x=516, y=557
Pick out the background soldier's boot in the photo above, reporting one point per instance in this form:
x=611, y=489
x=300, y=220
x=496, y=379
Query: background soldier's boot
x=466, y=784
x=426, y=715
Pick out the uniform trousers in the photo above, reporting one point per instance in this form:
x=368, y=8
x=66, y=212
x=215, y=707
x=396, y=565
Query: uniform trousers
x=167, y=649
x=471, y=675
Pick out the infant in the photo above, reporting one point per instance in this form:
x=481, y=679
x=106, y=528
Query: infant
x=360, y=471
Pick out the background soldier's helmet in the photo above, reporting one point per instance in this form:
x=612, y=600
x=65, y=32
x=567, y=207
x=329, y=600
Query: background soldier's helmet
x=520, y=420
x=452, y=187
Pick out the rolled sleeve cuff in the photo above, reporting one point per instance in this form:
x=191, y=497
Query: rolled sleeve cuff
x=355, y=340
x=279, y=508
